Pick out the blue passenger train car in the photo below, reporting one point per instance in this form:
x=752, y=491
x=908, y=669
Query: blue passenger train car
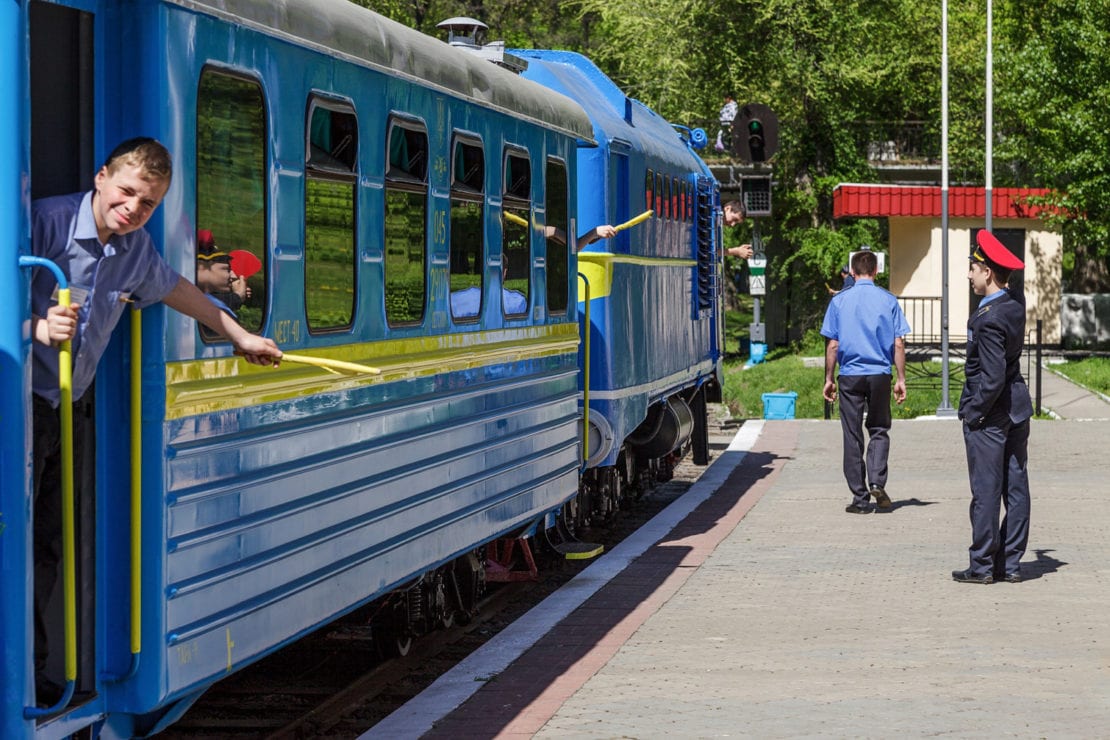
x=387, y=199
x=653, y=335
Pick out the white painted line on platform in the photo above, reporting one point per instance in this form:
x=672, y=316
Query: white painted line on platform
x=420, y=713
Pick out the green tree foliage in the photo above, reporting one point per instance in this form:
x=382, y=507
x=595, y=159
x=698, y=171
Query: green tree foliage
x=531, y=24
x=832, y=71
x=1053, y=98
x=840, y=74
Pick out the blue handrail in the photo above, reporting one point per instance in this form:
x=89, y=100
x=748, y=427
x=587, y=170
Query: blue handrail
x=65, y=368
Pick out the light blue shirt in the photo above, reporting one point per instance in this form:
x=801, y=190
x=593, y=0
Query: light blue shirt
x=864, y=321
x=102, y=278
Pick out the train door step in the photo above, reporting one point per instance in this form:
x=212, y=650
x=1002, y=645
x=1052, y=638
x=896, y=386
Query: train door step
x=579, y=550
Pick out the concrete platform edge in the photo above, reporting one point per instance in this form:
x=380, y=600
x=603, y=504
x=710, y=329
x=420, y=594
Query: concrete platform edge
x=453, y=688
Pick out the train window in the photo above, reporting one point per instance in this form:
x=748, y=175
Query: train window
x=468, y=180
x=676, y=197
x=332, y=137
x=331, y=181
x=231, y=197
x=620, y=205
x=659, y=195
x=666, y=191
x=406, y=205
x=558, y=253
x=516, y=251
x=649, y=189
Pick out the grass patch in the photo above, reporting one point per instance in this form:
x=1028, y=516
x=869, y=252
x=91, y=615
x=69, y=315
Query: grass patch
x=1092, y=372
x=744, y=389
x=785, y=370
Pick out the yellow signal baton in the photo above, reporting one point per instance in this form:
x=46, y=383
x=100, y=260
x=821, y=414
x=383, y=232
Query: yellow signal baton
x=638, y=220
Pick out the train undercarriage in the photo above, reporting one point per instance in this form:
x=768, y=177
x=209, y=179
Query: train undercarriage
x=674, y=428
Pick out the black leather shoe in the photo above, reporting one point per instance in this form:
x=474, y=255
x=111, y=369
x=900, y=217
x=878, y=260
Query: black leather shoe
x=1011, y=578
x=970, y=576
x=881, y=499
x=858, y=508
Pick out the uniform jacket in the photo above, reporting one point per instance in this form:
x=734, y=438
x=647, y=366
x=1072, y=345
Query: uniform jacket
x=994, y=387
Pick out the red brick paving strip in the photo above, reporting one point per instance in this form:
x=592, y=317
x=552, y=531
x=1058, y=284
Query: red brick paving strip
x=518, y=702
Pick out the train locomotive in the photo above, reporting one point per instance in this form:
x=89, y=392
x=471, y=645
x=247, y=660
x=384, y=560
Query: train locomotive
x=651, y=348
x=399, y=209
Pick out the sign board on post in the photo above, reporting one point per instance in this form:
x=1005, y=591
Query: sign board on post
x=757, y=274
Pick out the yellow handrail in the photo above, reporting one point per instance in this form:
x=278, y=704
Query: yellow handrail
x=69, y=580
x=136, y=503
x=586, y=375
x=136, y=480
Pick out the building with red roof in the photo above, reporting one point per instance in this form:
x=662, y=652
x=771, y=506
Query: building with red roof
x=913, y=214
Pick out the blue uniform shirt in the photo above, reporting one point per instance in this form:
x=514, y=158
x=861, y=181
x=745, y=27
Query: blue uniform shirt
x=102, y=279
x=865, y=321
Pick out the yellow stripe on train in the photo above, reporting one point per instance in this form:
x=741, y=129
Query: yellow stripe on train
x=598, y=269
x=204, y=386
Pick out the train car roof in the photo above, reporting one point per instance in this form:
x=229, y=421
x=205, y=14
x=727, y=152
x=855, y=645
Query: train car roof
x=342, y=29
x=615, y=116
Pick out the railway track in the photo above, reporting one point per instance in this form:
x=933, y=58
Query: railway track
x=335, y=682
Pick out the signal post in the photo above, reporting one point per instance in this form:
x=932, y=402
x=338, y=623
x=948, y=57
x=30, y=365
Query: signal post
x=755, y=139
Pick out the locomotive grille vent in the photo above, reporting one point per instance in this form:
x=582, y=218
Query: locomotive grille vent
x=707, y=276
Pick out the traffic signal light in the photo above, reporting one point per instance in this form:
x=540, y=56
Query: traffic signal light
x=756, y=140
x=755, y=133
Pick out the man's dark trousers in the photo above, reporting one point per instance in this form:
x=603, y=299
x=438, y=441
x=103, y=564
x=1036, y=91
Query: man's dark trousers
x=997, y=458
x=860, y=394
x=47, y=502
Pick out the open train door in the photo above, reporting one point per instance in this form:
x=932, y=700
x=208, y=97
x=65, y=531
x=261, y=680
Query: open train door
x=15, y=546
x=62, y=134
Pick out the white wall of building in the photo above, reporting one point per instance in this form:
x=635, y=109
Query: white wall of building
x=915, y=272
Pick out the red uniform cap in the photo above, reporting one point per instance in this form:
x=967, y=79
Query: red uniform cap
x=990, y=250
x=207, y=249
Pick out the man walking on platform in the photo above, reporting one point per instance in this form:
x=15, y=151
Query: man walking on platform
x=995, y=408
x=866, y=330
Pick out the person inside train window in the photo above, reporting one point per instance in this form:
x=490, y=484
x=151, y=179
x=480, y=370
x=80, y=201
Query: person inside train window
x=734, y=216
x=109, y=260
x=215, y=276
x=603, y=231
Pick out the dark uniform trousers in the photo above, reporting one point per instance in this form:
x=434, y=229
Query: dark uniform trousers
x=860, y=394
x=996, y=460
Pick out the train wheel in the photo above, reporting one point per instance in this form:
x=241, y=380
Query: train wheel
x=402, y=645
x=390, y=628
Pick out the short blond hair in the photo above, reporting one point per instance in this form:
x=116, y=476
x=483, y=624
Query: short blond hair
x=147, y=154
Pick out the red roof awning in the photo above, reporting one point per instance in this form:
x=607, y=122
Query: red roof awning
x=902, y=200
